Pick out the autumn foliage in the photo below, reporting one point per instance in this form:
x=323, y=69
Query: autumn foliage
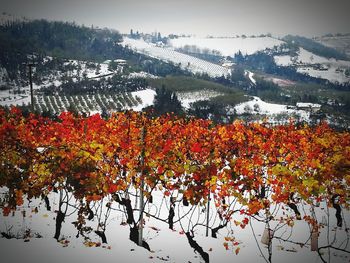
x=93, y=158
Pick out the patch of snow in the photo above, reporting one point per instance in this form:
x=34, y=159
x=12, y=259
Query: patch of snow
x=8, y=98
x=307, y=57
x=250, y=76
x=331, y=74
x=308, y=105
x=122, y=61
x=228, y=46
x=258, y=106
x=147, y=97
x=228, y=64
x=283, y=60
x=104, y=69
x=141, y=74
x=186, y=98
x=282, y=82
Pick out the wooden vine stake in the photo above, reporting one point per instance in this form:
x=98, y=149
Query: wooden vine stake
x=140, y=239
x=266, y=237
x=314, y=240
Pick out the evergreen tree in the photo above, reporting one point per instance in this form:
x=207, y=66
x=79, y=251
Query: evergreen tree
x=166, y=101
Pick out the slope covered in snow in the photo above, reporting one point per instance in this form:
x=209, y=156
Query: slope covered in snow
x=146, y=96
x=186, y=98
x=258, y=106
x=190, y=63
x=316, y=66
x=228, y=46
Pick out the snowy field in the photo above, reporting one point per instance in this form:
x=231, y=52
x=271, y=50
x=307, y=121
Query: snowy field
x=228, y=46
x=187, y=98
x=341, y=43
x=147, y=97
x=316, y=66
x=258, y=106
x=195, y=65
x=331, y=74
x=8, y=98
x=166, y=245
x=141, y=74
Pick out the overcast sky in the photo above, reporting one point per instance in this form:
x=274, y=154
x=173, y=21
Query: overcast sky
x=200, y=17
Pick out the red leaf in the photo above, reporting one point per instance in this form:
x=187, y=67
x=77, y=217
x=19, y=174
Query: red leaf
x=196, y=147
x=245, y=221
x=167, y=146
x=196, y=176
x=112, y=188
x=160, y=170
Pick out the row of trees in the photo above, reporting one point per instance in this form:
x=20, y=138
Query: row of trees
x=246, y=170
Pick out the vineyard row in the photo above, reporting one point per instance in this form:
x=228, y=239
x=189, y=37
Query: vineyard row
x=85, y=103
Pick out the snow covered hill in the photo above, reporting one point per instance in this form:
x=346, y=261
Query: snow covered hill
x=338, y=42
x=271, y=110
x=316, y=66
x=190, y=63
x=228, y=46
x=73, y=69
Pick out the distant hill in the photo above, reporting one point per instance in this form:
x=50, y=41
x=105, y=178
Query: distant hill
x=20, y=39
x=58, y=38
x=315, y=47
x=340, y=42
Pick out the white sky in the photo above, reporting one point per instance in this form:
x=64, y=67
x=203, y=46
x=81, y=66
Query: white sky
x=201, y=17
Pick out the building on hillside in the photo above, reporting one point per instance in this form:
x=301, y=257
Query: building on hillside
x=228, y=65
x=121, y=62
x=312, y=107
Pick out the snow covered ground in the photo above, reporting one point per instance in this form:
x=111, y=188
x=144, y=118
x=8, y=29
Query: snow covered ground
x=228, y=46
x=307, y=57
x=250, y=76
x=331, y=74
x=166, y=245
x=191, y=63
x=147, y=97
x=86, y=71
x=341, y=43
x=141, y=74
x=258, y=106
x=316, y=66
x=8, y=98
x=187, y=98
